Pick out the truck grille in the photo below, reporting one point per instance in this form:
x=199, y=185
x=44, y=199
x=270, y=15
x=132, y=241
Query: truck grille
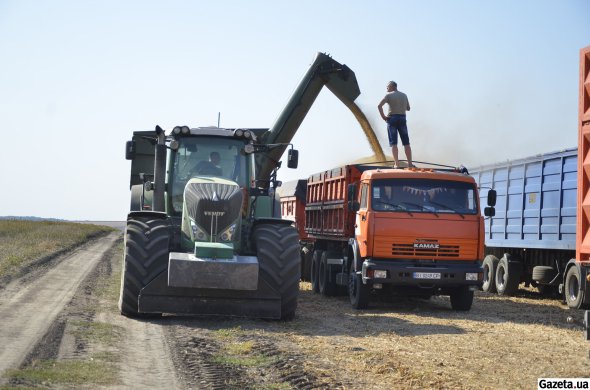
x=408, y=250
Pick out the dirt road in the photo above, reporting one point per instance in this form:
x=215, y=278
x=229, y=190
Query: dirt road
x=398, y=343
x=28, y=306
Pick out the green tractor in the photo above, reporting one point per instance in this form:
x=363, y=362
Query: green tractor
x=205, y=234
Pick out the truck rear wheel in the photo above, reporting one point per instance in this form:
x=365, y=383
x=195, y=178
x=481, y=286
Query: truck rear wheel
x=315, y=270
x=327, y=287
x=461, y=299
x=146, y=256
x=358, y=292
x=279, y=263
x=507, y=275
x=490, y=263
x=574, y=293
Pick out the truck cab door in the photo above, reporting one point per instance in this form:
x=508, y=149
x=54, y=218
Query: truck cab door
x=361, y=230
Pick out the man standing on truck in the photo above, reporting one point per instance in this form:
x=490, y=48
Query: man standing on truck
x=396, y=121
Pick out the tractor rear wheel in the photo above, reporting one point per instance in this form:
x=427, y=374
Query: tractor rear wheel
x=279, y=263
x=146, y=256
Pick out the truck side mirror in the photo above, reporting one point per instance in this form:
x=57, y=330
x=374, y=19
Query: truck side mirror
x=489, y=211
x=492, y=198
x=354, y=206
x=130, y=150
x=351, y=192
x=293, y=158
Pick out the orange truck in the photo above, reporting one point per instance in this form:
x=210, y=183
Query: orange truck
x=369, y=229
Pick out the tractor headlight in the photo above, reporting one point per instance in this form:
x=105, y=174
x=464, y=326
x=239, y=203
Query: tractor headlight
x=247, y=134
x=239, y=133
x=185, y=130
x=198, y=233
x=228, y=234
x=176, y=130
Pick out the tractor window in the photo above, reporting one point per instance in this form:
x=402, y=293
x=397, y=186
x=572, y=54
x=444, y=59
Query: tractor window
x=209, y=158
x=419, y=195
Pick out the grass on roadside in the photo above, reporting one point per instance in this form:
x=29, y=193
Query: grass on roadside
x=51, y=372
x=22, y=242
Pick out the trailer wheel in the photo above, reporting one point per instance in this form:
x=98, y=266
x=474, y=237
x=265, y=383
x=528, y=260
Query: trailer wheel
x=574, y=293
x=507, y=275
x=146, y=256
x=358, y=292
x=543, y=274
x=326, y=287
x=490, y=263
x=315, y=270
x=461, y=299
x=279, y=263
x=306, y=258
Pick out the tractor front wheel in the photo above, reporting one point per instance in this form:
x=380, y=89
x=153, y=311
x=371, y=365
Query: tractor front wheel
x=146, y=256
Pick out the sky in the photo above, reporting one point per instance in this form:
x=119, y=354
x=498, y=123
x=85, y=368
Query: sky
x=488, y=81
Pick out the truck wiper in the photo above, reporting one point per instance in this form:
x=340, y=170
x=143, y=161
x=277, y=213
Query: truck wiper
x=421, y=207
x=394, y=205
x=446, y=206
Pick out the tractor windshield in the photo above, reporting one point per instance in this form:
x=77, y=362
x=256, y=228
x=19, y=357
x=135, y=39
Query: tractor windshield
x=206, y=157
x=420, y=195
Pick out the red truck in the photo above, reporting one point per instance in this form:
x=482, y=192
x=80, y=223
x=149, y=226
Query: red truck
x=580, y=272
x=371, y=229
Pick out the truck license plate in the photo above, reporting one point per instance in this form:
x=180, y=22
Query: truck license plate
x=426, y=275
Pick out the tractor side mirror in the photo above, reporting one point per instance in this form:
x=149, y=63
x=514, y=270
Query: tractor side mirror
x=293, y=158
x=492, y=198
x=130, y=149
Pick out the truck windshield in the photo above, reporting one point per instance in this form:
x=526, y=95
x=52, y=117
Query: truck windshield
x=421, y=195
x=206, y=157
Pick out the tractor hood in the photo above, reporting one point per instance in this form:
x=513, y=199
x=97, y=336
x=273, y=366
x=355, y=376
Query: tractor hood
x=211, y=209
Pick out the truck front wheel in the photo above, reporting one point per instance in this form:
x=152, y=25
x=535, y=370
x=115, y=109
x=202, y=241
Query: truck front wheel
x=357, y=290
x=574, y=293
x=461, y=299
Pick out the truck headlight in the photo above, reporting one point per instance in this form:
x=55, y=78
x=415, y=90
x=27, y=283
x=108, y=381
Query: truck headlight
x=471, y=276
x=380, y=274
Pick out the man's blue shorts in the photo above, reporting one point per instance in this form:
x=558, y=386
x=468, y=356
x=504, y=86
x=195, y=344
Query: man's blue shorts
x=397, y=124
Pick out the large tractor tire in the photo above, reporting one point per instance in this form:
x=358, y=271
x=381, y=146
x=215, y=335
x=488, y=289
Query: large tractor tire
x=326, y=286
x=146, y=256
x=461, y=299
x=490, y=263
x=574, y=293
x=315, y=270
x=508, y=275
x=279, y=263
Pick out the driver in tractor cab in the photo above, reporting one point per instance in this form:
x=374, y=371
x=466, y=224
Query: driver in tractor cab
x=210, y=167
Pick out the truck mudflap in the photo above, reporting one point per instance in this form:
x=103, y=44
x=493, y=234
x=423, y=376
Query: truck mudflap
x=158, y=297
x=408, y=273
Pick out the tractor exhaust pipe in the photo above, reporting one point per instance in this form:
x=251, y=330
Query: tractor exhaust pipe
x=160, y=171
